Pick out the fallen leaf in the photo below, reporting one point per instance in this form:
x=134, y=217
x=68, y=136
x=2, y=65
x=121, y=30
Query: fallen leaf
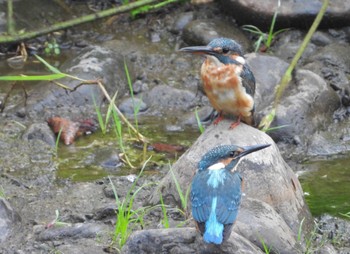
x=168, y=148
x=70, y=130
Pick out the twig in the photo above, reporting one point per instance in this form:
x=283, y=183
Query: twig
x=268, y=119
x=140, y=137
x=76, y=21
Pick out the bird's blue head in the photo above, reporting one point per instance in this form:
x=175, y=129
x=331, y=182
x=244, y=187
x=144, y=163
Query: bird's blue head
x=221, y=48
x=227, y=155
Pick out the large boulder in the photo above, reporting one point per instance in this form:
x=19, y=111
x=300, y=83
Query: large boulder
x=292, y=13
x=306, y=107
x=273, y=205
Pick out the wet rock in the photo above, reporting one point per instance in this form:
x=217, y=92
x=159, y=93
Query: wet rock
x=8, y=219
x=201, y=32
x=88, y=230
x=131, y=105
x=40, y=131
x=182, y=240
x=267, y=179
x=291, y=13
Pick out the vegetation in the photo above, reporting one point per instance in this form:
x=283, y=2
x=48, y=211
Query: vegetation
x=128, y=218
x=134, y=8
x=199, y=123
x=265, y=38
x=183, y=196
x=287, y=77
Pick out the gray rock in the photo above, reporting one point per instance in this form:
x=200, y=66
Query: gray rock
x=47, y=100
x=291, y=13
x=165, y=97
x=267, y=178
x=335, y=229
x=288, y=44
x=332, y=63
x=129, y=105
x=256, y=218
x=183, y=240
x=40, y=131
x=201, y=32
x=306, y=107
x=181, y=21
x=204, y=115
x=8, y=219
x=76, y=231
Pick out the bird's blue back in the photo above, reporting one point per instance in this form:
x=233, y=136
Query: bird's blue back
x=215, y=197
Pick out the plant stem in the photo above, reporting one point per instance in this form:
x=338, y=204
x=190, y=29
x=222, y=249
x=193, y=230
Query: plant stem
x=73, y=22
x=268, y=119
x=288, y=74
x=10, y=21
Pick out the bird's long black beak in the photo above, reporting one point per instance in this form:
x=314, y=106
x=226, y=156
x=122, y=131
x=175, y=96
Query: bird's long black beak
x=252, y=149
x=198, y=50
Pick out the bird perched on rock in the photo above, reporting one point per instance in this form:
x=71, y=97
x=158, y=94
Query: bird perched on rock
x=216, y=191
x=227, y=79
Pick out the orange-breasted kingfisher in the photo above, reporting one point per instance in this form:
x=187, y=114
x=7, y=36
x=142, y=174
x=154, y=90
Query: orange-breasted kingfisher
x=227, y=80
x=216, y=191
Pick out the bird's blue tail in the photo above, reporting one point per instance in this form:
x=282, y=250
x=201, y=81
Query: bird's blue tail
x=213, y=228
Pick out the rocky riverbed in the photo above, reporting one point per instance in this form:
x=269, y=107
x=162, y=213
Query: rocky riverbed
x=37, y=180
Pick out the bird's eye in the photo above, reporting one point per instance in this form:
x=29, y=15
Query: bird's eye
x=234, y=154
x=225, y=50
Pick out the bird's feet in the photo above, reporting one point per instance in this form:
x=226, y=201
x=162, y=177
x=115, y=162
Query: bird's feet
x=218, y=119
x=235, y=124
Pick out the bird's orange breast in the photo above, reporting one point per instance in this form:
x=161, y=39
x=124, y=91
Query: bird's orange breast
x=223, y=86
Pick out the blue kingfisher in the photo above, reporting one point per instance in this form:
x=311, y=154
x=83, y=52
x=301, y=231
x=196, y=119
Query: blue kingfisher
x=216, y=191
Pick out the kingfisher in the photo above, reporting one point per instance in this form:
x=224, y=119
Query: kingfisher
x=227, y=80
x=216, y=191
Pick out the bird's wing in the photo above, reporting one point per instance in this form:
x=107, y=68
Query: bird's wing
x=228, y=198
x=248, y=80
x=200, y=198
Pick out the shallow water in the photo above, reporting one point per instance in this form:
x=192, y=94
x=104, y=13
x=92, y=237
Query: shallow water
x=327, y=188
x=82, y=160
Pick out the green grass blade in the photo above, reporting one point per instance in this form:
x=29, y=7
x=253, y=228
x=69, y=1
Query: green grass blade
x=99, y=116
x=165, y=220
x=199, y=123
x=183, y=197
x=49, y=66
x=33, y=78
